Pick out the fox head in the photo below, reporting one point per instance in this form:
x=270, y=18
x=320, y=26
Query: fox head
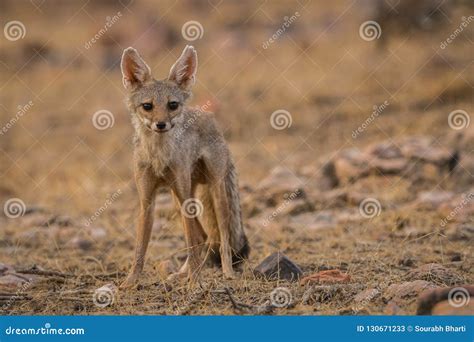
x=158, y=103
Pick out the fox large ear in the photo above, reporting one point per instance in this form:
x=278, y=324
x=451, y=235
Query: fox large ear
x=183, y=71
x=135, y=71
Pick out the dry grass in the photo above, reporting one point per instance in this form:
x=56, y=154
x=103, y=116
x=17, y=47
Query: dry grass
x=320, y=71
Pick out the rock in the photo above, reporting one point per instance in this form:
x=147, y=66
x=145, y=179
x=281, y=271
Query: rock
x=366, y=296
x=295, y=207
x=393, y=309
x=388, y=166
x=4, y=268
x=421, y=148
x=445, y=308
x=459, y=208
x=326, y=277
x=399, y=293
x=350, y=164
x=80, y=243
x=385, y=150
x=434, y=273
x=12, y=281
x=411, y=157
x=97, y=233
x=317, y=220
x=458, y=296
x=282, y=181
x=461, y=232
x=278, y=266
x=433, y=199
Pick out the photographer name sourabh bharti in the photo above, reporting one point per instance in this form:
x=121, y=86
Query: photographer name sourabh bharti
x=411, y=328
x=440, y=328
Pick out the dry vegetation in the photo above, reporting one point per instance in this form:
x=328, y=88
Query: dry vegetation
x=320, y=70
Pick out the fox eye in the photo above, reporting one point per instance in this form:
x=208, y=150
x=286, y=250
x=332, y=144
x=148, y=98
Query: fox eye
x=147, y=106
x=173, y=105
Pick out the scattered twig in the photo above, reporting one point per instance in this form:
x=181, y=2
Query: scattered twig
x=243, y=307
x=36, y=271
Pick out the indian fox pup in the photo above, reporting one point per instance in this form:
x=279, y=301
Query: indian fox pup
x=182, y=148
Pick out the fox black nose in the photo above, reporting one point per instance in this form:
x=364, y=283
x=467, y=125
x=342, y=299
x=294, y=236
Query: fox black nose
x=161, y=125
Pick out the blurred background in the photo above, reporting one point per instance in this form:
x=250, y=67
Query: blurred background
x=320, y=70
x=345, y=75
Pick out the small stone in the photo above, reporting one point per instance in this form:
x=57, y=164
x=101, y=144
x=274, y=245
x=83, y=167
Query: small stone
x=4, y=268
x=434, y=198
x=327, y=277
x=282, y=181
x=445, y=308
x=165, y=268
x=278, y=266
x=393, y=309
x=458, y=295
x=407, y=290
x=13, y=280
x=435, y=273
x=461, y=232
x=366, y=296
x=80, y=243
x=389, y=166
